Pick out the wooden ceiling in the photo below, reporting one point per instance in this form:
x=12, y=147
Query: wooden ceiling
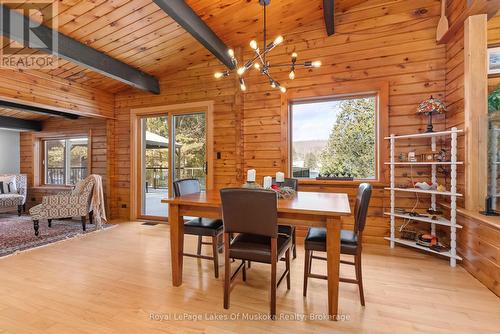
x=140, y=34
x=23, y=114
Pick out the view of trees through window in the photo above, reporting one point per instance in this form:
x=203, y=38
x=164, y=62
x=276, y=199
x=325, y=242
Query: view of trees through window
x=190, y=135
x=189, y=157
x=336, y=137
x=66, y=160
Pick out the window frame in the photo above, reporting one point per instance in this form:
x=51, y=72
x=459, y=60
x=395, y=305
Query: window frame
x=339, y=91
x=39, y=157
x=67, y=166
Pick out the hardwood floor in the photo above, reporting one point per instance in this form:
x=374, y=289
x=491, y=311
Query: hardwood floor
x=116, y=280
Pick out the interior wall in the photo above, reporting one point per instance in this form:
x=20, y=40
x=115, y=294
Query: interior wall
x=100, y=130
x=40, y=89
x=477, y=241
x=9, y=152
x=375, y=41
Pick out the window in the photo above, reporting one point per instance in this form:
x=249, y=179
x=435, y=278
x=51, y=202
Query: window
x=493, y=128
x=65, y=160
x=334, y=137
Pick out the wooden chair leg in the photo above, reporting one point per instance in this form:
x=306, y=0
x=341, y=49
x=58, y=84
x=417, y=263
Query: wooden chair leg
x=200, y=240
x=19, y=209
x=274, y=263
x=84, y=221
x=91, y=217
x=294, y=244
x=50, y=222
x=227, y=271
x=220, y=243
x=310, y=261
x=249, y=264
x=307, y=270
x=216, y=255
x=244, y=272
x=359, y=278
x=36, y=227
x=24, y=207
x=287, y=263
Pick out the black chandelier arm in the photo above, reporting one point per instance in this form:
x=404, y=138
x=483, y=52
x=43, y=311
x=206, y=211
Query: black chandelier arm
x=305, y=64
x=271, y=78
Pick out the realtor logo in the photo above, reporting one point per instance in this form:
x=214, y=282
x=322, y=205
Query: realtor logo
x=29, y=30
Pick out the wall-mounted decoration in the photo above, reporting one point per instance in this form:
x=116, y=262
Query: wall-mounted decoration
x=494, y=60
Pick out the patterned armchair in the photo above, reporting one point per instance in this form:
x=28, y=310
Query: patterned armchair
x=75, y=203
x=9, y=202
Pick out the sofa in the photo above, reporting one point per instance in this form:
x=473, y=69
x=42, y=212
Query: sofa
x=13, y=192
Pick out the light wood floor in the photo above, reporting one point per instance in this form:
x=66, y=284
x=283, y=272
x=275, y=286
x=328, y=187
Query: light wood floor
x=112, y=281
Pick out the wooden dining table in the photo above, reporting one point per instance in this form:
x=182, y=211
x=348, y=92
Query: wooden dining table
x=305, y=209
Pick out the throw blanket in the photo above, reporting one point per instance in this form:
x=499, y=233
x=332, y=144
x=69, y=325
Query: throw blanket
x=97, y=201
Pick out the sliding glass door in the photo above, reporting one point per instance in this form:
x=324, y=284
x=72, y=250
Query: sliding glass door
x=171, y=146
x=154, y=167
x=189, y=158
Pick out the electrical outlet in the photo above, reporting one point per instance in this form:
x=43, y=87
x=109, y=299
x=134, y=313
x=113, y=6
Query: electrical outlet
x=124, y=206
x=219, y=155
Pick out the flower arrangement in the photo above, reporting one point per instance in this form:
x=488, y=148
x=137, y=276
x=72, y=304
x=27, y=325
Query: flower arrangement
x=284, y=192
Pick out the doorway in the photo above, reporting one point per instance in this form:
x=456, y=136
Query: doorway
x=168, y=143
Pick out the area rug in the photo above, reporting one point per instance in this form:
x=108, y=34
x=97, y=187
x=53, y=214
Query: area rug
x=17, y=233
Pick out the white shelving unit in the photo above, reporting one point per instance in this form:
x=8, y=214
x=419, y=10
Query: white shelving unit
x=452, y=222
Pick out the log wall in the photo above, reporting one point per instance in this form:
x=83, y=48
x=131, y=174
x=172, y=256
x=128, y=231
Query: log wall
x=375, y=41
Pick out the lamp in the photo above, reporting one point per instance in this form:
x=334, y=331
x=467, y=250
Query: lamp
x=260, y=61
x=429, y=107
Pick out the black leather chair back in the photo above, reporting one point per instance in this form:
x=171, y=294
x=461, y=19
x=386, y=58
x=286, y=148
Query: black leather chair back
x=289, y=182
x=186, y=187
x=253, y=211
x=361, y=206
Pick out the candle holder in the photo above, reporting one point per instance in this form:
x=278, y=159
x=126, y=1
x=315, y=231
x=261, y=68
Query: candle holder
x=251, y=185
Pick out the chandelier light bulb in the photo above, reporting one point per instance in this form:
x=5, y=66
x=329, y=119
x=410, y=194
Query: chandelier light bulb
x=260, y=62
x=241, y=70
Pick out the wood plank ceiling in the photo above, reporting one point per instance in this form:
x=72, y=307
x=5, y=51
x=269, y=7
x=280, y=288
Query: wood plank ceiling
x=23, y=114
x=140, y=34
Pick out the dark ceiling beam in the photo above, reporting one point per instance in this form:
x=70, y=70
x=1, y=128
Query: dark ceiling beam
x=19, y=124
x=76, y=52
x=187, y=18
x=328, y=13
x=36, y=110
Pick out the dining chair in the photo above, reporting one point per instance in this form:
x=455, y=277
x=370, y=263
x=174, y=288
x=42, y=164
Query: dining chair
x=201, y=227
x=350, y=242
x=252, y=216
x=289, y=229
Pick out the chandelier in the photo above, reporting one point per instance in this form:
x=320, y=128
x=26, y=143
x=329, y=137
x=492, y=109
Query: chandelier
x=260, y=61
